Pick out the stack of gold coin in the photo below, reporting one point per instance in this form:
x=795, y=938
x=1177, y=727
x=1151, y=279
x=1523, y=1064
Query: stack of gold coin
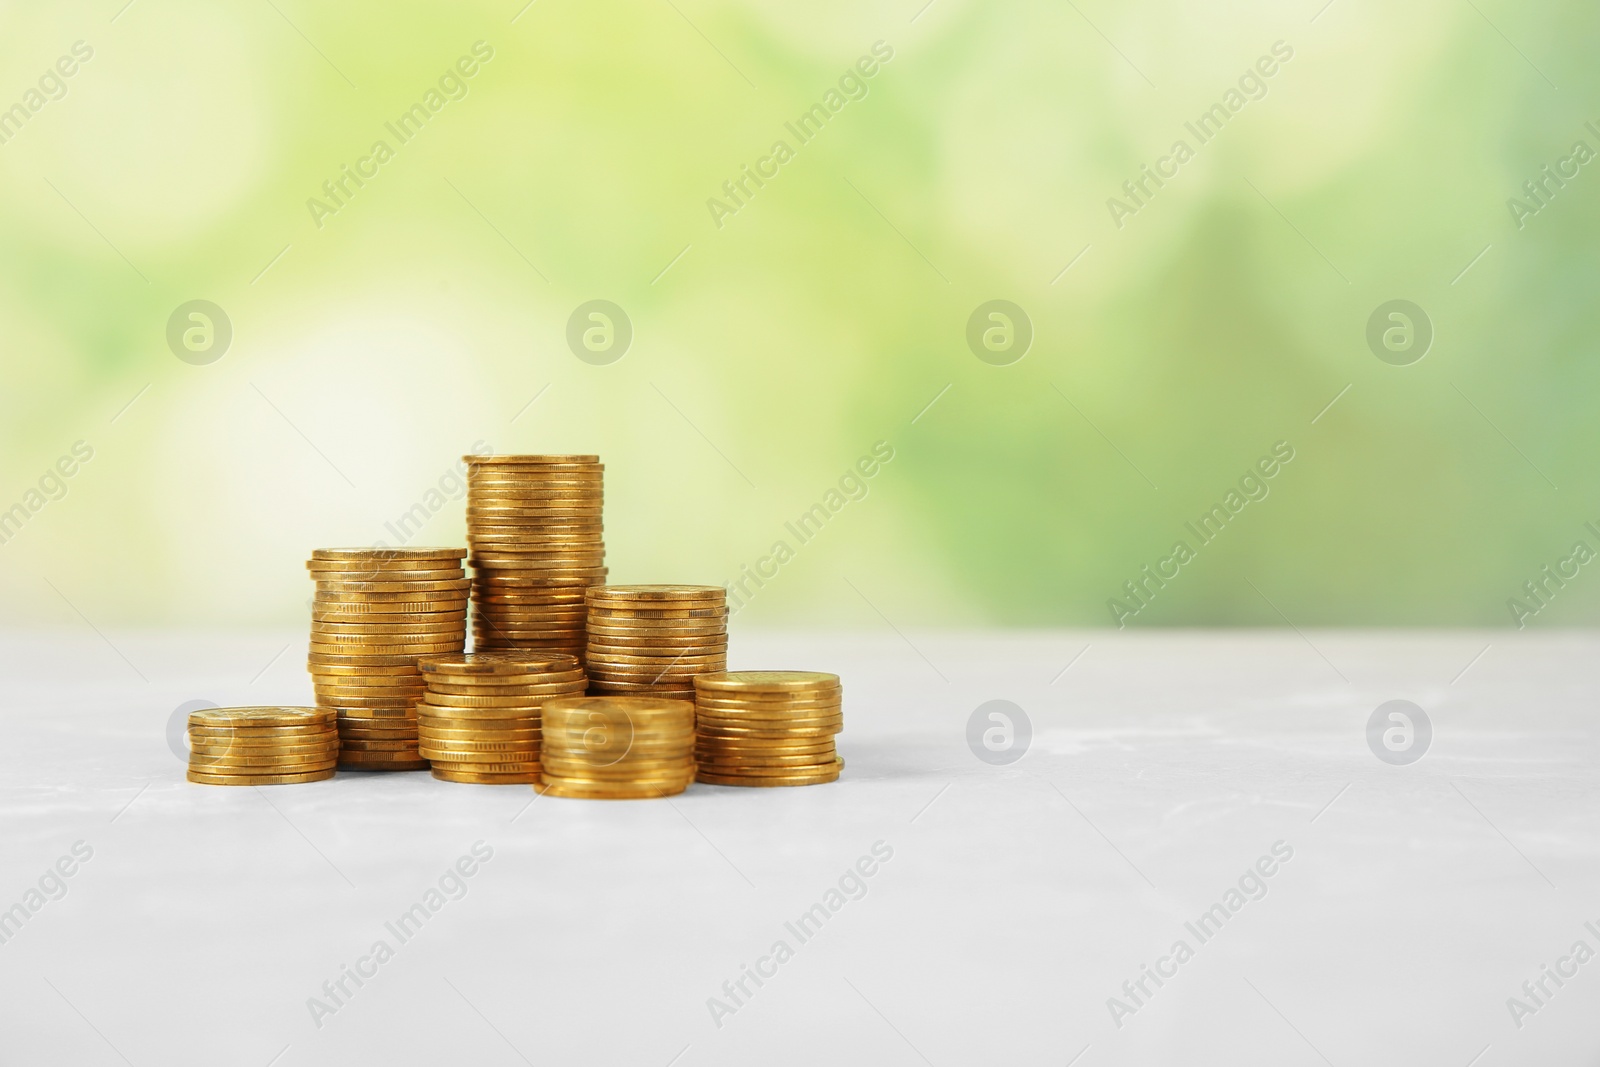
x=479, y=720
x=261, y=746
x=533, y=523
x=617, y=748
x=376, y=610
x=651, y=640
x=767, y=727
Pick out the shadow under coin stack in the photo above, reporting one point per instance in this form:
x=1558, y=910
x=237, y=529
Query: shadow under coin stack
x=617, y=748
x=262, y=746
x=767, y=728
x=533, y=523
x=375, y=612
x=479, y=720
x=651, y=640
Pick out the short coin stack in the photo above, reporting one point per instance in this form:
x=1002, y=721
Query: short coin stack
x=479, y=720
x=617, y=748
x=261, y=746
x=651, y=640
x=767, y=727
x=533, y=523
x=376, y=610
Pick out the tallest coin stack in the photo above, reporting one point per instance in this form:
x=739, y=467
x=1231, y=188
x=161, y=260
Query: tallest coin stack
x=533, y=526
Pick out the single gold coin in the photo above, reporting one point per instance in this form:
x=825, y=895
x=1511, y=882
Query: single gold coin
x=445, y=713
x=776, y=712
x=324, y=663
x=513, y=582
x=728, y=765
x=675, y=689
x=336, y=570
x=628, y=707
x=377, y=713
x=474, y=740
x=383, y=611
x=259, y=717
x=512, y=732
x=402, y=629
x=740, y=682
x=217, y=738
x=500, y=665
x=651, y=635
x=200, y=777
x=661, y=619
x=768, y=727
x=790, y=765
x=451, y=596
x=718, y=732
x=382, y=765
x=394, y=675
x=501, y=701
x=556, y=787
x=608, y=662
x=362, y=710
x=659, y=592
x=360, y=730
x=527, y=600
x=806, y=747
x=763, y=700
x=491, y=683
x=371, y=696
x=347, y=650
x=504, y=760
x=443, y=706
x=830, y=774
x=225, y=742
x=252, y=747
x=374, y=581
x=528, y=459
x=286, y=765
x=342, y=554
x=480, y=778
x=534, y=691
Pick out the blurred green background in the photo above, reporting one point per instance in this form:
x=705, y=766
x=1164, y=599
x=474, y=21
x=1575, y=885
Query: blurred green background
x=770, y=353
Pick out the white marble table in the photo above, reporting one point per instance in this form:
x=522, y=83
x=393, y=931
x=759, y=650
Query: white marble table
x=1018, y=899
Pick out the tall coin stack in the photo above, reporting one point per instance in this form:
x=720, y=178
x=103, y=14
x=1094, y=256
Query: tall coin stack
x=651, y=640
x=533, y=523
x=479, y=720
x=376, y=610
x=767, y=727
x=261, y=746
x=617, y=748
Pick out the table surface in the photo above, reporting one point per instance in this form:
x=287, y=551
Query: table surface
x=1014, y=904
